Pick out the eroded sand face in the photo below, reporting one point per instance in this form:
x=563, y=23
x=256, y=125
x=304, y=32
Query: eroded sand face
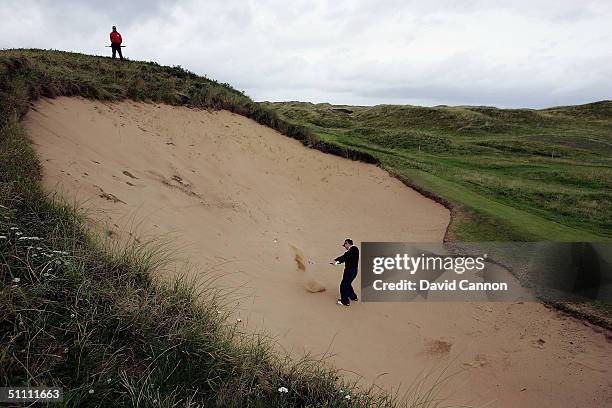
x=266, y=215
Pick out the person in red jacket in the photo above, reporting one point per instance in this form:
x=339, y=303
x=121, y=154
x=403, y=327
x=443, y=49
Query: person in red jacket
x=116, y=40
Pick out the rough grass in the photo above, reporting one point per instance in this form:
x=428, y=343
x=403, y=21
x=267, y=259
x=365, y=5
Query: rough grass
x=29, y=74
x=90, y=318
x=508, y=174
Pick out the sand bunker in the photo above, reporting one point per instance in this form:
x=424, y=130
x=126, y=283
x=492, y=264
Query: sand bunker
x=235, y=196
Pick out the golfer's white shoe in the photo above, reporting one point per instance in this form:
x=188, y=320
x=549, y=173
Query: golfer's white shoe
x=339, y=302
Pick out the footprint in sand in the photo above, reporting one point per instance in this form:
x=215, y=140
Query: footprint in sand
x=437, y=348
x=480, y=360
x=539, y=343
x=110, y=196
x=308, y=281
x=130, y=175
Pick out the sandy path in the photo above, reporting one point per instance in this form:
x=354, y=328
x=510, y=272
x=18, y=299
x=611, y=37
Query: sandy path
x=236, y=196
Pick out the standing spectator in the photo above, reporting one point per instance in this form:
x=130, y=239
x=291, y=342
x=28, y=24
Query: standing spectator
x=116, y=41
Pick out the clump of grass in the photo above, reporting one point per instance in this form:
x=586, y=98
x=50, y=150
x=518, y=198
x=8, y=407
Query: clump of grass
x=91, y=318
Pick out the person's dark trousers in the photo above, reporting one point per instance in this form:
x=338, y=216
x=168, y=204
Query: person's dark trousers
x=116, y=49
x=347, y=293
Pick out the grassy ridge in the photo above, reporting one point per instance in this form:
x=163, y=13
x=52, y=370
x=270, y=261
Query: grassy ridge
x=90, y=318
x=35, y=73
x=511, y=174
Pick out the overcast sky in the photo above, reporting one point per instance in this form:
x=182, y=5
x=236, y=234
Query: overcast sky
x=523, y=53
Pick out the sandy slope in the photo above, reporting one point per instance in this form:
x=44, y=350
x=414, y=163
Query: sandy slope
x=242, y=200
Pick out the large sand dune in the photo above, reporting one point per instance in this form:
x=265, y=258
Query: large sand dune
x=266, y=214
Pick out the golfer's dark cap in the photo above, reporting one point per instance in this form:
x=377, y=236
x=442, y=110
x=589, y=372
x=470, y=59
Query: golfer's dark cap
x=348, y=241
x=114, y=28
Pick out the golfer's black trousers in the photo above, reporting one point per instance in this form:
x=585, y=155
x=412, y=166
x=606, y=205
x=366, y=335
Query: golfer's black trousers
x=116, y=49
x=347, y=293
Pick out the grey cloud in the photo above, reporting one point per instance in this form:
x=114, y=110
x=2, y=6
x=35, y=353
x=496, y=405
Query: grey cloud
x=511, y=53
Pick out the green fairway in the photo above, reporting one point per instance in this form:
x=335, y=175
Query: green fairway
x=511, y=174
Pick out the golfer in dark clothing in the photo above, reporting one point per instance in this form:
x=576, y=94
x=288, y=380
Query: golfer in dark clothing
x=350, y=259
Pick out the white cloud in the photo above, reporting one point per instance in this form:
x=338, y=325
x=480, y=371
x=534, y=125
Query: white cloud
x=506, y=53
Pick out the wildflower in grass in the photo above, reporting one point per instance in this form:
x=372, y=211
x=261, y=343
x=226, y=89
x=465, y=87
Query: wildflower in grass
x=72, y=315
x=348, y=397
x=91, y=391
x=283, y=390
x=16, y=280
x=108, y=380
x=18, y=233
